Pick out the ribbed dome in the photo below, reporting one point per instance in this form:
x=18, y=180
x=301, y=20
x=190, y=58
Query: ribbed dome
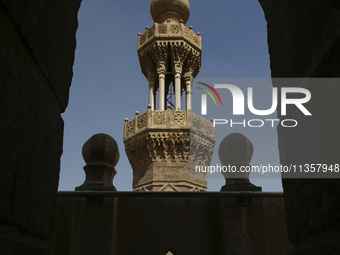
x=162, y=10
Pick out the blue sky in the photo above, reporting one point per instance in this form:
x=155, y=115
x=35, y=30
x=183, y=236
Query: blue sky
x=108, y=85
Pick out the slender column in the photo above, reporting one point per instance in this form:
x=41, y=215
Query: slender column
x=151, y=93
x=178, y=90
x=161, y=96
x=154, y=99
x=188, y=93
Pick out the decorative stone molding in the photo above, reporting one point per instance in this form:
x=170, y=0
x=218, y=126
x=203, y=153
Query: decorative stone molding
x=167, y=119
x=168, y=30
x=181, y=185
x=162, y=29
x=164, y=148
x=169, y=41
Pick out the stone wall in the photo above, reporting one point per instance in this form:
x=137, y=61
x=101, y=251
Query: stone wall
x=37, y=44
x=114, y=223
x=304, y=41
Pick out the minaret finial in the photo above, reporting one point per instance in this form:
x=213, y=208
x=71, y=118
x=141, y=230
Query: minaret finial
x=161, y=10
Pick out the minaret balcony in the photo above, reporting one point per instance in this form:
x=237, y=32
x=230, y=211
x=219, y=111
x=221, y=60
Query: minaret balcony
x=169, y=31
x=163, y=148
x=168, y=120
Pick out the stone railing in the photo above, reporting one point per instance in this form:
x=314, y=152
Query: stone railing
x=159, y=31
x=200, y=124
x=168, y=119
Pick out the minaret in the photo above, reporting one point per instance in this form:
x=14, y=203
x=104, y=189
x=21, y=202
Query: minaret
x=167, y=142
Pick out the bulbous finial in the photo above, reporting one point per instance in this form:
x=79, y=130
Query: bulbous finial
x=101, y=148
x=101, y=155
x=235, y=152
x=235, y=149
x=161, y=10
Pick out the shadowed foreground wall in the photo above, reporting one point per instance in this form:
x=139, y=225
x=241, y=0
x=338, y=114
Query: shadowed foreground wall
x=114, y=223
x=37, y=44
x=304, y=41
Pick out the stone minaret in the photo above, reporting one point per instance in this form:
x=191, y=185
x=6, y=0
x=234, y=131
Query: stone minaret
x=165, y=144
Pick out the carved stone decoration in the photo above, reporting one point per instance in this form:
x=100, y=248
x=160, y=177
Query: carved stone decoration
x=167, y=40
x=141, y=121
x=169, y=187
x=178, y=118
x=142, y=39
x=175, y=29
x=158, y=118
x=186, y=32
x=162, y=29
x=130, y=127
x=151, y=32
x=164, y=154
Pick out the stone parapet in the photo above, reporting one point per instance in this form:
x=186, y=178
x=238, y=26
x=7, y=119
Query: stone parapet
x=180, y=222
x=154, y=119
x=169, y=31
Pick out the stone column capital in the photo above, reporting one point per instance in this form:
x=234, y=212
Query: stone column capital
x=161, y=68
x=178, y=74
x=177, y=67
x=161, y=74
x=188, y=80
x=188, y=75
